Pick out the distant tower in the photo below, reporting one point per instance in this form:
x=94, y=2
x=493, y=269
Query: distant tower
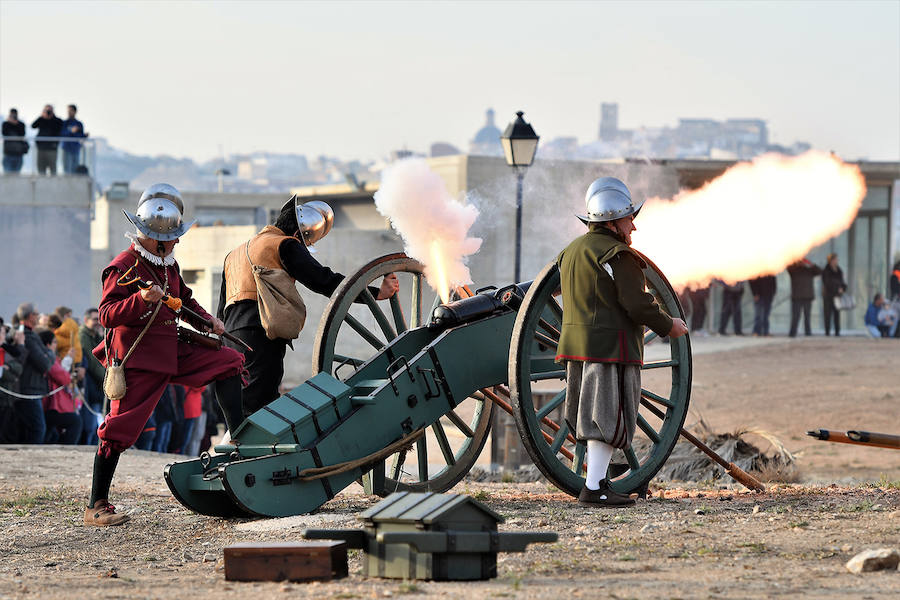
x=487, y=139
x=609, y=121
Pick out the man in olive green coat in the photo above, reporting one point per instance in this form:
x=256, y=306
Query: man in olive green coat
x=605, y=309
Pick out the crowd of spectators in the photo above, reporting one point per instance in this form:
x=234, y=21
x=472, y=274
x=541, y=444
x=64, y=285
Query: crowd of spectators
x=51, y=388
x=49, y=127
x=882, y=318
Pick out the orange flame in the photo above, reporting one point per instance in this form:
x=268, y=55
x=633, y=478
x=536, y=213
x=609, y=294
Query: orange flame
x=436, y=272
x=755, y=219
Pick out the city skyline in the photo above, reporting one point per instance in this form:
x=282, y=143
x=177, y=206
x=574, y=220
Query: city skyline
x=357, y=80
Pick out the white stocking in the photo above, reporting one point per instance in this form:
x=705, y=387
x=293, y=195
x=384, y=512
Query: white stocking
x=598, y=456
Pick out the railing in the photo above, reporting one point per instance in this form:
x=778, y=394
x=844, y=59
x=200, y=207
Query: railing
x=87, y=154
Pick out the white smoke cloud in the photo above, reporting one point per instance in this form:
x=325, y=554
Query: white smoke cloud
x=429, y=220
x=754, y=219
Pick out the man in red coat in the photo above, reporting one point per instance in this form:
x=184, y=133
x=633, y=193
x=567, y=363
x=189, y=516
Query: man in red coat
x=158, y=358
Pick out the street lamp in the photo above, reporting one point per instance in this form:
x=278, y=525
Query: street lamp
x=519, y=145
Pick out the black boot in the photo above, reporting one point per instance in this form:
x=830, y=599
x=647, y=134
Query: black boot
x=100, y=513
x=228, y=394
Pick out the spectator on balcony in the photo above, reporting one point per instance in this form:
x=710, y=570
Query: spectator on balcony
x=13, y=150
x=72, y=128
x=48, y=125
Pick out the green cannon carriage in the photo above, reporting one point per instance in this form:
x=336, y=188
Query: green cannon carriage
x=426, y=391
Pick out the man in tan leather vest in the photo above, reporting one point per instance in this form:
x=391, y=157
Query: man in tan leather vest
x=284, y=245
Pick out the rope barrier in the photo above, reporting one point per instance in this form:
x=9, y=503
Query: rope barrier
x=30, y=396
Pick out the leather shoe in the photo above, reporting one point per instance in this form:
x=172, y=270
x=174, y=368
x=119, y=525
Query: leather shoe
x=103, y=514
x=604, y=497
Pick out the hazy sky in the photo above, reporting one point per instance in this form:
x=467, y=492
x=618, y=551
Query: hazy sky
x=358, y=79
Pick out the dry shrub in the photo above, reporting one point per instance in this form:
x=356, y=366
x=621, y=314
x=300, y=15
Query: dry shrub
x=687, y=463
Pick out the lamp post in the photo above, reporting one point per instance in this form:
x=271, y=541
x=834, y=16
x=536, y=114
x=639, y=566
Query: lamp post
x=519, y=143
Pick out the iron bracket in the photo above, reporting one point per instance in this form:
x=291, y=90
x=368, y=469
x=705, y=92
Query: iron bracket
x=283, y=477
x=391, y=371
x=437, y=383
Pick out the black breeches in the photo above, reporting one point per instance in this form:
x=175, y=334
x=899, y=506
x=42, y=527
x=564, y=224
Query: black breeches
x=265, y=366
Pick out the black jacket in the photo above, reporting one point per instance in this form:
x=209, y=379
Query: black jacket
x=11, y=372
x=833, y=283
x=36, y=365
x=51, y=127
x=764, y=286
x=802, y=275
x=14, y=147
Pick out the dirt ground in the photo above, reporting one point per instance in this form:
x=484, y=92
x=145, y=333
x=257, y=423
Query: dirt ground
x=686, y=541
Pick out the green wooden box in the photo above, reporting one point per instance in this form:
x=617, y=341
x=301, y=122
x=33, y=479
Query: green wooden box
x=431, y=536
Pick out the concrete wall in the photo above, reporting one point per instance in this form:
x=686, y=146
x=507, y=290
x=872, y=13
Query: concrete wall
x=45, y=228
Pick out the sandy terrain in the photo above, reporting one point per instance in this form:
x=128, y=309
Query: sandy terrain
x=686, y=541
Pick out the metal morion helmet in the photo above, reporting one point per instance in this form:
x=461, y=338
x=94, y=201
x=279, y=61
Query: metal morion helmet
x=159, y=213
x=314, y=219
x=608, y=199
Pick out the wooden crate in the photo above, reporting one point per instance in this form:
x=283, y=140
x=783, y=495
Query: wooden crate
x=294, y=561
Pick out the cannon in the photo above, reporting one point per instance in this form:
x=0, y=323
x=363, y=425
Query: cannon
x=427, y=388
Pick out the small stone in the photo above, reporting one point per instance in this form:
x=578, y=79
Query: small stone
x=756, y=509
x=699, y=511
x=209, y=557
x=846, y=548
x=895, y=514
x=186, y=557
x=874, y=560
x=648, y=527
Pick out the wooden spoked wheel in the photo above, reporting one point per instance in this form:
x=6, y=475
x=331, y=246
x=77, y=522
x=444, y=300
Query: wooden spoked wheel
x=538, y=390
x=350, y=333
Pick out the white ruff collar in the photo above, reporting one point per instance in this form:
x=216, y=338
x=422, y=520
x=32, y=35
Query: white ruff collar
x=159, y=261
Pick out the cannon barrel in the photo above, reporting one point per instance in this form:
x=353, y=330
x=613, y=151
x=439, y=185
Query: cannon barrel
x=485, y=303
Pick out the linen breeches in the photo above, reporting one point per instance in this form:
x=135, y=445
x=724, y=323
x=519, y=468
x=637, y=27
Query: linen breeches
x=602, y=401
